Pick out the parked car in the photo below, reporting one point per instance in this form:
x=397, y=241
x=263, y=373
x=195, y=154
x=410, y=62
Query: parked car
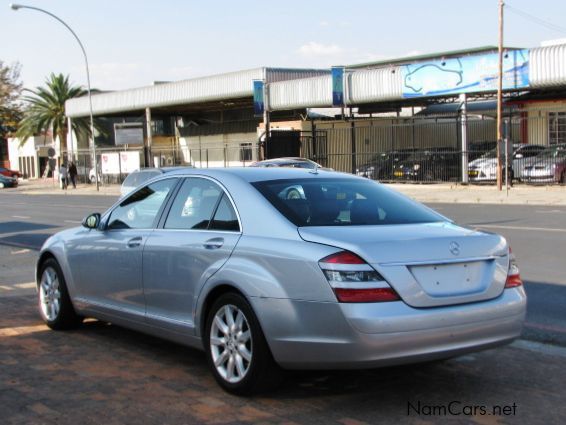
x=380, y=167
x=138, y=177
x=484, y=168
x=546, y=155
x=549, y=167
x=430, y=164
x=7, y=181
x=479, y=148
x=355, y=275
x=10, y=173
x=292, y=162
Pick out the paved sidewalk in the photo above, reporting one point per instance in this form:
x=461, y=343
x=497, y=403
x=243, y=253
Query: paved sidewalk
x=442, y=192
x=484, y=194
x=51, y=187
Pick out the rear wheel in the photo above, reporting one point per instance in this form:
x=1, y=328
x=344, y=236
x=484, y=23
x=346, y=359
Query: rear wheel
x=237, y=352
x=54, y=302
x=563, y=178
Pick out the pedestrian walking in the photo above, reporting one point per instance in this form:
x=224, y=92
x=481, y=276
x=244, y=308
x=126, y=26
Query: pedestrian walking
x=63, y=175
x=73, y=174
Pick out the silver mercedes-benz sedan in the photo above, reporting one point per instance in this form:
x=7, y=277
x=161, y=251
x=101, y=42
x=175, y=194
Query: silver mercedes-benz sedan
x=284, y=268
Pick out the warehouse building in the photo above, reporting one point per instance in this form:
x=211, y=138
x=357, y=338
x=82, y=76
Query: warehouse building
x=339, y=117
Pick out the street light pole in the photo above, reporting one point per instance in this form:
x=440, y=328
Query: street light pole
x=15, y=6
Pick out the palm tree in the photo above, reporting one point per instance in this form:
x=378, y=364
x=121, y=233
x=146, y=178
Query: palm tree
x=46, y=111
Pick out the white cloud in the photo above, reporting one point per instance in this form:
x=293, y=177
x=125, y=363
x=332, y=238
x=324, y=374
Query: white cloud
x=324, y=23
x=312, y=48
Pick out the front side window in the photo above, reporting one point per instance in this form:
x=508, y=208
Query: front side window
x=140, y=209
x=201, y=205
x=342, y=202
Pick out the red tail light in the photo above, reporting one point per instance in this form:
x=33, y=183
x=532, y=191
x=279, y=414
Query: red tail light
x=513, y=275
x=369, y=295
x=343, y=257
x=355, y=281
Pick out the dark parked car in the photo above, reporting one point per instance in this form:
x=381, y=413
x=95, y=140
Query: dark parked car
x=380, y=167
x=10, y=173
x=478, y=148
x=431, y=164
x=7, y=181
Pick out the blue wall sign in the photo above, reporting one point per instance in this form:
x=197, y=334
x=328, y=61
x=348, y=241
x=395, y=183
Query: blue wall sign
x=259, y=105
x=337, y=86
x=468, y=74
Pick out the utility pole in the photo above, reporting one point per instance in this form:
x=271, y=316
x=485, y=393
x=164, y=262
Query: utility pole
x=499, y=95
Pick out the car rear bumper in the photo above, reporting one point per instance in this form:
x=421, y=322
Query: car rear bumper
x=539, y=179
x=313, y=335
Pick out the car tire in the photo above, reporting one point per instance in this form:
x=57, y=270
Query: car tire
x=54, y=303
x=92, y=179
x=236, y=349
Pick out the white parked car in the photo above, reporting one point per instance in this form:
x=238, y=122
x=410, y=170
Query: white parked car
x=484, y=168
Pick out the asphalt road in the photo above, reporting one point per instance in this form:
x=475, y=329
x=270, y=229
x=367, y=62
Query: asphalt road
x=536, y=233
x=100, y=373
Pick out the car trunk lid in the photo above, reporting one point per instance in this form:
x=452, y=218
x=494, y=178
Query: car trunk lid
x=429, y=265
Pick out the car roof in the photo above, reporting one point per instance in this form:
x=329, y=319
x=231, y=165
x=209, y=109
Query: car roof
x=253, y=174
x=283, y=160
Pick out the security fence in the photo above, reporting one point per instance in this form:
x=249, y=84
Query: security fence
x=114, y=164
x=430, y=149
x=416, y=148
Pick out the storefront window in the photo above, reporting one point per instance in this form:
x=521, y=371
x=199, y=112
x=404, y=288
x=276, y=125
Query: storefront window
x=556, y=127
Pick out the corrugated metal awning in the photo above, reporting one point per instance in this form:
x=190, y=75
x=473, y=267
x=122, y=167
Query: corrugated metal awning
x=547, y=66
x=231, y=85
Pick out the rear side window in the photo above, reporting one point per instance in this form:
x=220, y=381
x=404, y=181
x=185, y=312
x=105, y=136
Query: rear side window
x=225, y=217
x=342, y=202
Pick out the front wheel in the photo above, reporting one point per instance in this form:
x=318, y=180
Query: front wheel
x=237, y=352
x=55, y=304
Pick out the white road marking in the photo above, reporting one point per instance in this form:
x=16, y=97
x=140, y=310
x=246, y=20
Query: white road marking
x=72, y=221
x=534, y=229
x=25, y=217
x=549, y=211
x=25, y=285
x=21, y=251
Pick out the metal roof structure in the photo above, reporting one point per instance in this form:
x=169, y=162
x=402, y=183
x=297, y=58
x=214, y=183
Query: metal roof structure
x=291, y=89
x=426, y=56
x=216, y=89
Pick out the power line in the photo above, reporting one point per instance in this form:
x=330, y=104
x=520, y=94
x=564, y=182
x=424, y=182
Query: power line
x=536, y=19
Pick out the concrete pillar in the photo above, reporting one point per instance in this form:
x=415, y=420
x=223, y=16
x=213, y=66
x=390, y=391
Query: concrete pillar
x=149, y=139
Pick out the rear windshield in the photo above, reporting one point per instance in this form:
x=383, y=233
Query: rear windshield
x=342, y=202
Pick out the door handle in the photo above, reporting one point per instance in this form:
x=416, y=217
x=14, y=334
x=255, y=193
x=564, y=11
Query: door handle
x=134, y=242
x=214, y=243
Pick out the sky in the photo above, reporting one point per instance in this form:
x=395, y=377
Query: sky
x=132, y=43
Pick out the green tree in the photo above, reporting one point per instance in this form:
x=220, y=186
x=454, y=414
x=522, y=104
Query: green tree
x=45, y=110
x=10, y=89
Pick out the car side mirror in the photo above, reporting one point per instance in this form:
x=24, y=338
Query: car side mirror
x=91, y=221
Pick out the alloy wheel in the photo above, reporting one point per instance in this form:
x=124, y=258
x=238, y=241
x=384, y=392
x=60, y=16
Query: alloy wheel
x=49, y=294
x=231, y=343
